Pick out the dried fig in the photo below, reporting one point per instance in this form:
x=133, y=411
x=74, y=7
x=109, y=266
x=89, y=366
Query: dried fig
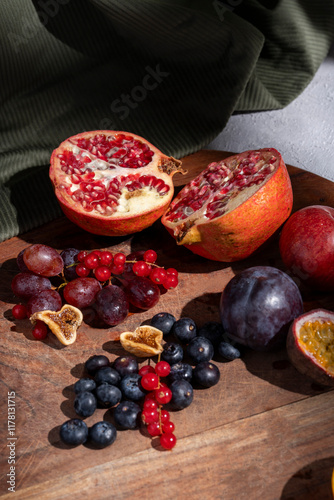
x=144, y=341
x=63, y=323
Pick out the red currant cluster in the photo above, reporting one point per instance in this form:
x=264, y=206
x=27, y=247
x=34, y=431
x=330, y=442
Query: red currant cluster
x=153, y=415
x=104, y=264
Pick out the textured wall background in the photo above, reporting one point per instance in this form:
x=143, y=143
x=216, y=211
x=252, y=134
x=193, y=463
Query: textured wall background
x=303, y=132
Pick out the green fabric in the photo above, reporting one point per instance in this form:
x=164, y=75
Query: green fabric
x=172, y=71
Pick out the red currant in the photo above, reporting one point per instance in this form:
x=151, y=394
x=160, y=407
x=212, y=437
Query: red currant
x=150, y=404
x=102, y=273
x=150, y=397
x=97, y=252
x=158, y=275
x=150, y=381
x=141, y=268
x=82, y=270
x=117, y=269
x=146, y=369
x=19, y=311
x=82, y=255
x=91, y=261
x=119, y=259
x=162, y=368
x=168, y=440
x=40, y=330
x=172, y=271
x=106, y=258
x=150, y=256
x=154, y=429
x=164, y=416
x=149, y=416
x=163, y=395
x=168, y=427
x=170, y=281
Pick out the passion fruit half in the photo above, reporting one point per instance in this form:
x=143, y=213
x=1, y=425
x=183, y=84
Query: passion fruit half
x=310, y=345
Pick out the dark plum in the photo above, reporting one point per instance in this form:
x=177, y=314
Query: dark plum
x=102, y=434
x=258, y=305
x=206, y=374
x=108, y=395
x=107, y=375
x=96, y=362
x=184, y=329
x=212, y=330
x=182, y=394
x=85, y=404
x=180, y=371
x=131, y=387
x=74, y=432
x=84, y=385
x=228, y=351
x=164, y=321
x=200, y=349
x=172, y=353
x=112, y=305
x=126, y=415
x=125, y=365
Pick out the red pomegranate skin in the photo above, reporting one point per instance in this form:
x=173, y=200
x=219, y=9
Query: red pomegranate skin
x=307, y=246
x=301, y=360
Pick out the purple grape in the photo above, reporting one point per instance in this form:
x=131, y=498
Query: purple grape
x=43, y=260
x=69, y=256
x=20, y=262
x=26, y=285
x=81, y=292
x=45, y=300
x=112, y=305
x=142, y=292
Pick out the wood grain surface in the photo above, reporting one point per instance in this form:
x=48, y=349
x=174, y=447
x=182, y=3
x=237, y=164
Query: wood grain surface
x=264, y=432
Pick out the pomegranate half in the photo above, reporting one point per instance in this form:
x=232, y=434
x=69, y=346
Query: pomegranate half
x=310, y=345
x=112, y=183
x=233, y=206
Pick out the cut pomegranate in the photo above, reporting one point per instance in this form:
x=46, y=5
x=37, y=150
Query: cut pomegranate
x=112, y=183
x=232, y=206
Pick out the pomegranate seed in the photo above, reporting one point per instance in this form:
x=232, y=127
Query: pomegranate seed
x=119, y=259
x=150, y=256
x=19, y=311
x=170, y=281
x=40, y=330
x=162, y=368
x=146, y=369
x=149, y=415
x=82, y=270
x=106, y=258
x=167, y=440
x=91, y=261
x=150, y=381
x=163, y=395
x=158, y=275
x=102, y=273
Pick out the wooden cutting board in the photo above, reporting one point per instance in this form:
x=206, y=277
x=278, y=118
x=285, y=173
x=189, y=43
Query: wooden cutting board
x=264, y=432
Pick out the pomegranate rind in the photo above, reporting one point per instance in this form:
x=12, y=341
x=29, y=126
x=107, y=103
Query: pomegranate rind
x=300, y=358
x=237, y=234
x=117, y=224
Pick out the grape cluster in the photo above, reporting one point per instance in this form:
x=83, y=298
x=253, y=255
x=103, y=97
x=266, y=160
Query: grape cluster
x=107, y=282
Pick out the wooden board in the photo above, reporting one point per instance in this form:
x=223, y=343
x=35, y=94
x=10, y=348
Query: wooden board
x=264, y=432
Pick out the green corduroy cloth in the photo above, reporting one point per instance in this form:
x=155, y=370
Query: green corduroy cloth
x=171, y=71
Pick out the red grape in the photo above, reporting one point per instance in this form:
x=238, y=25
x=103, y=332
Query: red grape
x=81, y=292
x=142, y=292
x=45, y=300
x=26, y=285
x=43, y=260
x=112, y=305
